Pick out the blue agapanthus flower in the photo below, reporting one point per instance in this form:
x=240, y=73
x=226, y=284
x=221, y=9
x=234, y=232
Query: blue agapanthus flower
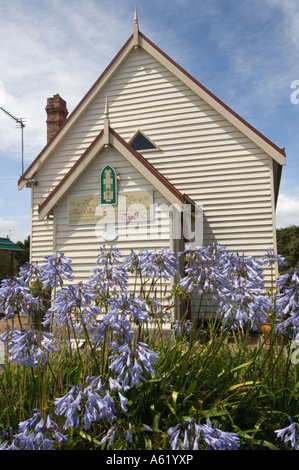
x=131, y=362
x=161, y=264
x=196, y=436
x=205, y=270
x=73, y=305
x=29, y=348
x=271, y=258
x=287, y=303
x=16, y=299
x=290, y=434
x=131, y=305
x=86, y=405
x=30, y=272
x=111, y=273
x=242, y=305
x=56, y=270
x=37, y=433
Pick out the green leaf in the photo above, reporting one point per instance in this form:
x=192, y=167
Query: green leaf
x=214, y=412
x=156, y=421
x=270, y=445
x=171, y=409
x=243, y=384
x=174, y=396
x=241, y=366
x=89, y=438
x=192, y=386
x=148, y=443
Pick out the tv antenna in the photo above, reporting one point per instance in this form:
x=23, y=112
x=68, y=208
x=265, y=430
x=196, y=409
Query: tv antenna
x=20, y=125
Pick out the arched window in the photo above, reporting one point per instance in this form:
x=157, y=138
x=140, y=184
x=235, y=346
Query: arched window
x=108, y=185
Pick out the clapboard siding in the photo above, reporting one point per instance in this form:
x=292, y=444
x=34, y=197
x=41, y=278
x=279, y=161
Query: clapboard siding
x=199, y=151
x=81, y=242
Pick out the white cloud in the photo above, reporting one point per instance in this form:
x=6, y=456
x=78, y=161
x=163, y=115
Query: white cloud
x=15, y=230
x=287, y=210
x=56, y=47
x=290, y=17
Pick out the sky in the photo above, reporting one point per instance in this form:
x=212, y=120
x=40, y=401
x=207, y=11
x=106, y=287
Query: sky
x=244, y=51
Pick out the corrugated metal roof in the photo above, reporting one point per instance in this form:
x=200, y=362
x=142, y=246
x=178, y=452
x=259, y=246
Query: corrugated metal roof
x=6, y=244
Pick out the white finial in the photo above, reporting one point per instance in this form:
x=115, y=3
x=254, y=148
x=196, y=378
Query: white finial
x=106, y=112
x=136, y=29
x=106, y=123
x=135, y=16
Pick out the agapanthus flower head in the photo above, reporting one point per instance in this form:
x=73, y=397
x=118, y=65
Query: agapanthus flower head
x=16, y=299
x=86, y=405
x=270, y=258
x=129, y=304
x=290, y=434
x=30, y=348
x=132, y=262
x=30, y=272
x=287, y=303
x=161, y=264
x=242, y=305
x=56, y=270
x=37, y=433
x=205, y=269
x=73, y=305
x=182, y=327
x=108, y=256
x=115, y=324
x=245, y=270
x=196, y=436
x=111, y=273
x=131, y=362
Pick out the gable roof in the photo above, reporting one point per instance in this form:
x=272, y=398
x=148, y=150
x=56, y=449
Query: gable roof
x=137, y=39
x=110, y=137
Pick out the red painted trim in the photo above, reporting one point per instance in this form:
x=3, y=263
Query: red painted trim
x=70, y=172
x=181, y=197
x=148, y=166
x=280, y=150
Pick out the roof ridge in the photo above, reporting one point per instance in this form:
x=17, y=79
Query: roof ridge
x=178, y=67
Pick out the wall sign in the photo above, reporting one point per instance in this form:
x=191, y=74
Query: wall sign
x=132, y=206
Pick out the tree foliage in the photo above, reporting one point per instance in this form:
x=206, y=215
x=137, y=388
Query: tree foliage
x=22, y=257
x=288, y=245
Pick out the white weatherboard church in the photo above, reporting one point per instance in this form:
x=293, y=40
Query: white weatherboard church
x=146, y=137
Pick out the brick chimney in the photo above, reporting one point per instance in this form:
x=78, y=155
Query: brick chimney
x=56, y=115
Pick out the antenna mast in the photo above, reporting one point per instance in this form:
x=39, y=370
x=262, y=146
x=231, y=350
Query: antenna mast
x=21, y=125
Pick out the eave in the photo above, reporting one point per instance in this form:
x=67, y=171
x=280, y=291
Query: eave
x=156, y=179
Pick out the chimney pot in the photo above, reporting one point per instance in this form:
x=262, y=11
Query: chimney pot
x=56, y=115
